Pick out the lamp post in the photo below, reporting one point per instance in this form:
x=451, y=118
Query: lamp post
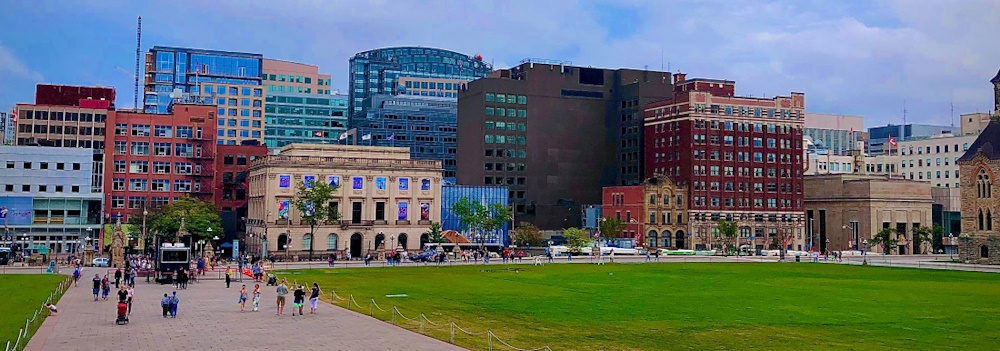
x=826, y=252
x=812, y=232
x=144, y=214
x=24, y=246
x=951, y=242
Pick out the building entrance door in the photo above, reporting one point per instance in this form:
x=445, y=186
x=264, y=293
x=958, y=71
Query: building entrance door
x=356, y=245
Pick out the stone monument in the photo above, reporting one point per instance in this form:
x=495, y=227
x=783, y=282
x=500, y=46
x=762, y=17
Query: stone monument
x=118, y=246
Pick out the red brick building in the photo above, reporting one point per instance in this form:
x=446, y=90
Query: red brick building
x=231, y=166
x=741, y=158
x=625, y=203
x=154, y=159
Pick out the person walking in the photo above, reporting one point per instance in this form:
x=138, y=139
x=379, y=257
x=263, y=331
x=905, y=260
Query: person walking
x=165, y=305
x=127, y=280
x=314, y=299
x=243, y=298
x=118, y=278
x=174, y=302
x=299, y=297
x=76, y=276
x=132, y=274
x=105, y=287
x=131, y=293
x=229, y=275
x=256, y=297
x=281, y=291
x=97, y=286
x=549, y=254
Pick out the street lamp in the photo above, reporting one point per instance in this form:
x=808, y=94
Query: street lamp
x=144, y=214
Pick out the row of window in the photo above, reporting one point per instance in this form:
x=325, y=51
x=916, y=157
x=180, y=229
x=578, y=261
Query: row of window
x=58, y=129
x=62, y=116
x=745, y=202
x=726, y=171
x=500, y=166
x=508, y=99
x=295, y=89
x=59, y=166
x=745, y=186
x=41, y=188
x=231, y=122
x=927, y=149
x=243, y=113
x=432, y=85
x=142, y=167
x=122, y=129
x=730, y=110
x=665, y=218
x=143, y=184
x=89, y=144
x=937, y=162
x=937, y=174
x=511, y=126
x=504, y=139
x=295, y=79
x=231, y=133
x=430, y=93
x=139, y=202
x=234, y=91
x=666, y=199
x=502, y=112
x=509, y=153
x=504, y=180
x=741, y=156
x=142, y=148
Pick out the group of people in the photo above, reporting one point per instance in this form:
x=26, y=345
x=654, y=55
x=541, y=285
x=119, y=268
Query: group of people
x=169, y=305
x=511, y=256
x=298, y=298
x=475, y=255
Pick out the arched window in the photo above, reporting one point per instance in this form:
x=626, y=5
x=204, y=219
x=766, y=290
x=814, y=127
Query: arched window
x=989, y=220
x=403, y=238
x=980, y=219
x=984, y=186
x=651, y=239
x=331, y=242
x=307, y=241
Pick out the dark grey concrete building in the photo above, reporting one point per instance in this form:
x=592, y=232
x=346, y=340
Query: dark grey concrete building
x=554, y=135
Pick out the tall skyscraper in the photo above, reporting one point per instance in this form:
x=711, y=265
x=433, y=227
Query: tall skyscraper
x=380, y=71
x=232, y=80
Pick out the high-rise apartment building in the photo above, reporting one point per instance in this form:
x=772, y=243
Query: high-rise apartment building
x=155, y=159
x=304, y=118
x=426, y=125
x=293, y=77
x=741, y=157
x=379, y=71
x=230, y=80
x=553, y=134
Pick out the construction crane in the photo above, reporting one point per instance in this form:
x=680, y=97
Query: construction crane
x=127, y=73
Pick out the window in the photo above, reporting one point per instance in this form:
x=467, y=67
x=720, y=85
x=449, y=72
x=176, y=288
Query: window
x=137, y=184
x=139, y=167
x=140, y=130
x=160, y=185
x=140, y=148
x=182, y=185
x=118, y=184
x=117, y=202
x=136, y=202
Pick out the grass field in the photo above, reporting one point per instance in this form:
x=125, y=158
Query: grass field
x=20, y=296
x=689, y=306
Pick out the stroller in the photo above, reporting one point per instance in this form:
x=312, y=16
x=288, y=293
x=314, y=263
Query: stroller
x=272, y=280
x=122, y=313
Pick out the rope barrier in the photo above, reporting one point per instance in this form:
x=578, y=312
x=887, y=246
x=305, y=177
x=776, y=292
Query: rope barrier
x=379, y=308
x=494, y=336
x=401, y=314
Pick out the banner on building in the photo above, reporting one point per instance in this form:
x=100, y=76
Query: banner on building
x=15, y=210
x=402, y=210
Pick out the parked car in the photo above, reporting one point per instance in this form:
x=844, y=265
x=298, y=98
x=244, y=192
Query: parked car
x=100, y=262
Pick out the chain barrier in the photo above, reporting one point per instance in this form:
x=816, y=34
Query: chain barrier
x=33, y=323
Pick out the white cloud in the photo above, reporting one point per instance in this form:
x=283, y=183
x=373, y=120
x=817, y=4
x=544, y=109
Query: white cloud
x=11, y=66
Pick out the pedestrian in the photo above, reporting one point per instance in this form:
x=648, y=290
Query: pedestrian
x=128, y=278
x=298, y=299
x=256, y=297
x=243, y=298
x=105, y=287
x=549, y=254
x=229, y=275
x=281, y=291
x=122, y=294
x=656, y=254
x=314, y=299
x=132, y=274
x=76, y=276
x=647, y=256
x=174, y=301
x=165, y=305
x=97, y=286
x=131, y=293
x=118, y=278
x=52, y=308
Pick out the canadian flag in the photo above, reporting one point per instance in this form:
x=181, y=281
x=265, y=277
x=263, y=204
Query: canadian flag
x=892, y=141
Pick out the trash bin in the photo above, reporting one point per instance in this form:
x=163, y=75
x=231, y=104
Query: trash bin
x=797, y=258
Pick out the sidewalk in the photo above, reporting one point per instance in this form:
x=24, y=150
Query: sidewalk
x=209, y=318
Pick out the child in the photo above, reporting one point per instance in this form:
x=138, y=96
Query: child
x=256, y=296
x=165, y=304
x=174, y=301
x=52, y=308
x=105, y=287
x=243, y=297
x=299, y=299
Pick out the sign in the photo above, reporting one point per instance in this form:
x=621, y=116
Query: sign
x=283, y=207
x=402, y=206
x=236, y=249
x=379, y=183
x=425, y=211
x=15, y=210
x=284, y=181
x=357, y=183
x=404, y=183
x=308, y=181
x=425, y=184
x=334, y=181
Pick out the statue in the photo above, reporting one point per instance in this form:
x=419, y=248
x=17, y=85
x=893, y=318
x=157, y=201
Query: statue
x=118, y=246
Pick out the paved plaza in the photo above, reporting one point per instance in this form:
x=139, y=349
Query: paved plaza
x=209, y=318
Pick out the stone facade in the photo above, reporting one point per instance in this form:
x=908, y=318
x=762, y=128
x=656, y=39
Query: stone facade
x=666, y=208
x=386, y=201
x=979, y=208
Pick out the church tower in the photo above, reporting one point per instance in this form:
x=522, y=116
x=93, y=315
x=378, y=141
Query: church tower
x=996, y=93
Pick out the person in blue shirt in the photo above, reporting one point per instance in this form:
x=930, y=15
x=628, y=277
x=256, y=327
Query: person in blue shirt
x=76, y=276
x=174, y=301
x=165, y=304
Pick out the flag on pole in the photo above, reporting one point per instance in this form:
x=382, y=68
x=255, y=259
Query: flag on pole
x=390, y=137
x=366, y=137
x=892, y=141
x=343, y=136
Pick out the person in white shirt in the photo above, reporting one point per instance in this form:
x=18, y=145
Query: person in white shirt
x=131, y=293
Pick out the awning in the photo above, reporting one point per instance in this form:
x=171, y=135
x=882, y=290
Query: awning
x=226, y=245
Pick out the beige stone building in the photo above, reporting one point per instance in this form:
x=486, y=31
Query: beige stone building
x=978, y=168
x=846, y=211
x=666, y=208
x=385, y=200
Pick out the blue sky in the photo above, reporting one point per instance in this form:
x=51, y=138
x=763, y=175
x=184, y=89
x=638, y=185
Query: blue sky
x=848, y=57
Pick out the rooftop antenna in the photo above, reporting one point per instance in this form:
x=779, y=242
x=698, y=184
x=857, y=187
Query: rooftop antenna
x=953, y=113
x=138, y=47
x=661, y=60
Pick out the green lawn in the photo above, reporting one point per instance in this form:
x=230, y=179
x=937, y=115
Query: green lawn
x=689, y=306
x=20, y=296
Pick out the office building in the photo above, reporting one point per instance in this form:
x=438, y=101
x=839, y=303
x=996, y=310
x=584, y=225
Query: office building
x=292, y=77
x=156, y=159
x=854, y=161
x=47, y=199
x=304, y=118
x=653, y=213
x=231, y=80
x=846, y=211
x=564, y=132
x=420, y=86
x=878, y=137
x=385, y=200
x=486, y=195
x=978, y=167
x=7, y=127
x=378, y=71
x=426, y=125
x=974, y=123
x=946, y=211
x=934, y=159
x=835, y=133
x=742, y=158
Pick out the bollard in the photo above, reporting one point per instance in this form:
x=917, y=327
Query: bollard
x=452, y=332
x=421, y=324
x=489, y=340
x=371, y=309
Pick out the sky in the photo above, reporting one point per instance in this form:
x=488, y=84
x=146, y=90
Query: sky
x=867, y=58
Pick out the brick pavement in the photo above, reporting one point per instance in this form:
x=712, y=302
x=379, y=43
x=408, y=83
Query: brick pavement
x=209, y=318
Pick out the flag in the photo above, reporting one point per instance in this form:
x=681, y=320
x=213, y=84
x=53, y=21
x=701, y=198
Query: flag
x=343, y=136
x=366, y=137
x=318, y=133
x=851, y=132
x=892, y=141
x=13, y=115
x=390, y=137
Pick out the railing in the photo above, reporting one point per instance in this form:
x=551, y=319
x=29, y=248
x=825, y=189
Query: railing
x=351, y=223
x=421, y=323
x=32, y=324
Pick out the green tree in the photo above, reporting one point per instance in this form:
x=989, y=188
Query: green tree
x=479, y=219
x=313, y=202
x=576, y=239
x=937, y=238
x=726, y=231
x=922, y=237
x=198, y=216
x=611, y=227
x=435, y=235
x=886, y=237
x=528, y=234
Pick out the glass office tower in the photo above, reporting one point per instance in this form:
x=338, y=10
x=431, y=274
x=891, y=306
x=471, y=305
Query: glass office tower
x=304, y=118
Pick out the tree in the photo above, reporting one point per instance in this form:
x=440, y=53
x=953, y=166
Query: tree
x=198, y=217
x=576, y=239
x=479, y=219
x=726, y=230
x=937, y=238
x=611, y=227
x=312, y=200
x=434, y=235
x=887, y=238
x=922, y=237
x=528, y=235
